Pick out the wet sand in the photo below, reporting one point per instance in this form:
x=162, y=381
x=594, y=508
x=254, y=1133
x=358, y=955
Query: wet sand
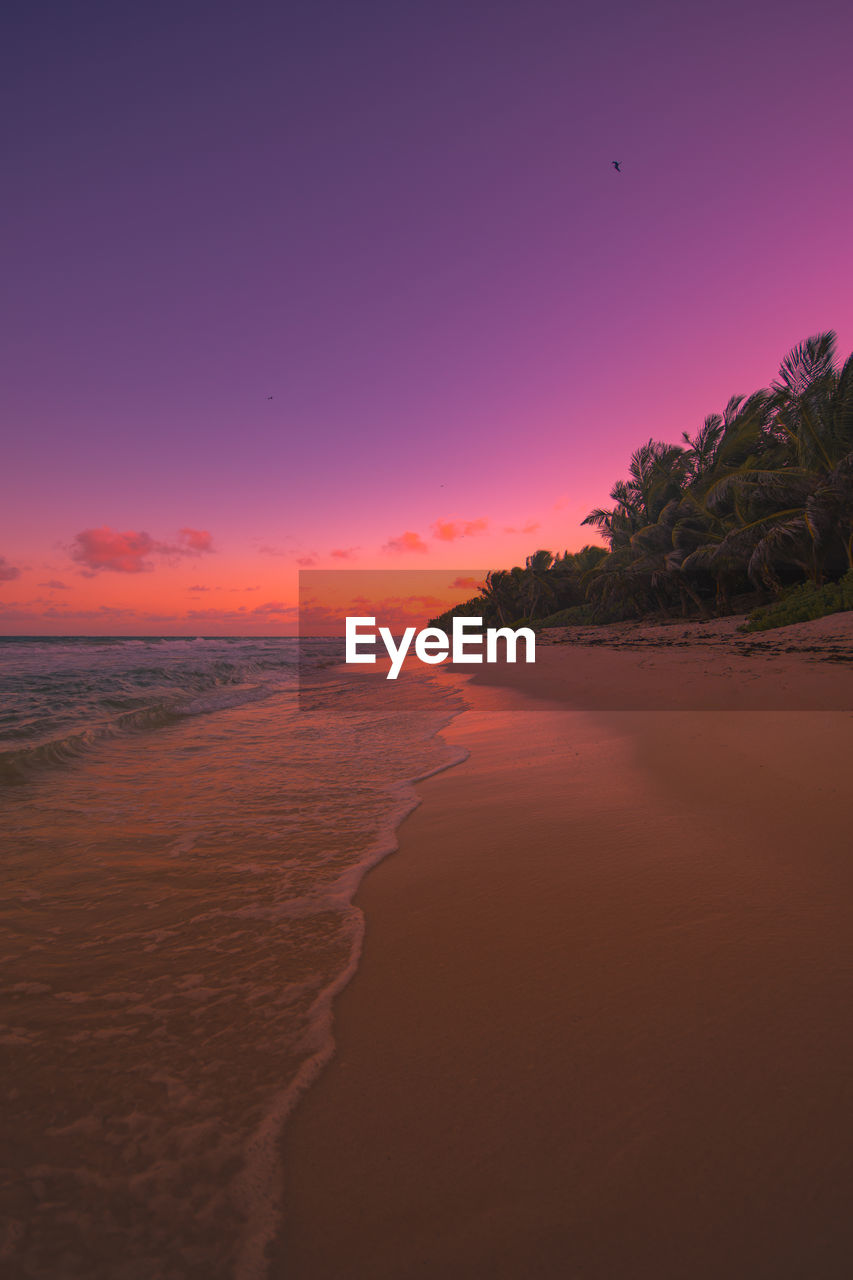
x=601, y=1024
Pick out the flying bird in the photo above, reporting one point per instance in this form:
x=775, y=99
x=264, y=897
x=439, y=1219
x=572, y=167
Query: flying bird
x=269, y=397
x=616, y=165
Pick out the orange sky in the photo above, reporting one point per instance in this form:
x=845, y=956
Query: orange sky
x=318, y=313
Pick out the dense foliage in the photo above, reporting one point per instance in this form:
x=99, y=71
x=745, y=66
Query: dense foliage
x=760, y=499
x=802, y=603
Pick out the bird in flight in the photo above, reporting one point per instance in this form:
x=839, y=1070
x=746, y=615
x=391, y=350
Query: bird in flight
x=616, y=165
x=269, y=397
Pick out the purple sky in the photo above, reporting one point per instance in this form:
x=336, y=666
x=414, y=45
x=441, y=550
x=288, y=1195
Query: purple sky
x=401, y=221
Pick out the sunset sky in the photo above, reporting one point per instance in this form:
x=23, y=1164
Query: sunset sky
x=356, y=285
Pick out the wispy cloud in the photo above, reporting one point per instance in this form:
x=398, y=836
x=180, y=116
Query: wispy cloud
x=53, y=584
x=277, y=607
x=36, y=617
x=195, y=541
x=530, y=527
x=52, y=611
x=407, y=541
x=451, y=530
x=466, y=584
x=271, y=609
x=8, y=572
x=396, y=612
x=345, y=553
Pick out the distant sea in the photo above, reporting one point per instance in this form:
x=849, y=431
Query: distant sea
x=182, y=836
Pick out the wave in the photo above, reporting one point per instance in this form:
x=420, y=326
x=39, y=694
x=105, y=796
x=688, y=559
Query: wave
x=247, y=940
x=18, y=763
x=59, y=698
x=257, y=1186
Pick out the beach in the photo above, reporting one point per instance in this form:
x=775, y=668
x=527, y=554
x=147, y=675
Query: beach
x=357, y=351
x=600, y=1026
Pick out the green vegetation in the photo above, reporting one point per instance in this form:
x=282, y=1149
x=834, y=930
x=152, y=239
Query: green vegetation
x=579, y=615
x=758, y=501
x=802, y=603
x=474, y=608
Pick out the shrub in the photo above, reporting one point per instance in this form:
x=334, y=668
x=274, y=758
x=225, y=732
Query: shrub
x=474, y=608
x=579, y=615
x=802, y=604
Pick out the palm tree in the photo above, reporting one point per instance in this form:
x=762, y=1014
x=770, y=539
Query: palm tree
x=813, y=407
x=501, y=591
x=536, y=586
x=789, y=509
x=760, y=496
x=656, y=475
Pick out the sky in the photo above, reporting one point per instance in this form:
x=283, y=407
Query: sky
x=330, y=285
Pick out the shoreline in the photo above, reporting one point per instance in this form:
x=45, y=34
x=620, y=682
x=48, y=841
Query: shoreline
x=600, y=1022
x=689, y=666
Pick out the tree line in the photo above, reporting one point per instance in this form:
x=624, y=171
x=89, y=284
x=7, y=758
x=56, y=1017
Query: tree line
x=759, y=500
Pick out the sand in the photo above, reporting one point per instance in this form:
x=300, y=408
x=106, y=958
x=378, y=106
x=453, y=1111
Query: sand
x=703, y=666
x=601, y=1026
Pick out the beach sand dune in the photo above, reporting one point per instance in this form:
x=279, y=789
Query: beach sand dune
x=601, y=1027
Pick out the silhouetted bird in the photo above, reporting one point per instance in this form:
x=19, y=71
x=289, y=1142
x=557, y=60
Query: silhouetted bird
x=269, y=397
x=616, y=165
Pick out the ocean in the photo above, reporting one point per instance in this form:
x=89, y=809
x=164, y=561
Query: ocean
x=184, y=825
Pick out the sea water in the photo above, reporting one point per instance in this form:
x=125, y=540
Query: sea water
x=182, y=835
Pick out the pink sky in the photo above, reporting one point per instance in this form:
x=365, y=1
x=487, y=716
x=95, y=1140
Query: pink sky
x=402, y=224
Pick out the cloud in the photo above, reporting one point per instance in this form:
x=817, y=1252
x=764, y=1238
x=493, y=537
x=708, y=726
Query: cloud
x=396, y=612
x=344, y=553
x=197, y=588
x=26, y=613
x=530, y=527
x=217, y=615
x=106, y=548
x=195, y=541
x=8, y=572
x=130, y=552
x=407, y=541
x=109, y=611
x=53, y=584
x=275, y=606
x=466, y=584
x=450, y=530
x=267, y=550
x=306, y=562
x=272, y=614
x=53, y=619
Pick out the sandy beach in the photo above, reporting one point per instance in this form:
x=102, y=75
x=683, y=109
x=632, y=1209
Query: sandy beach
x=601, y=1027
